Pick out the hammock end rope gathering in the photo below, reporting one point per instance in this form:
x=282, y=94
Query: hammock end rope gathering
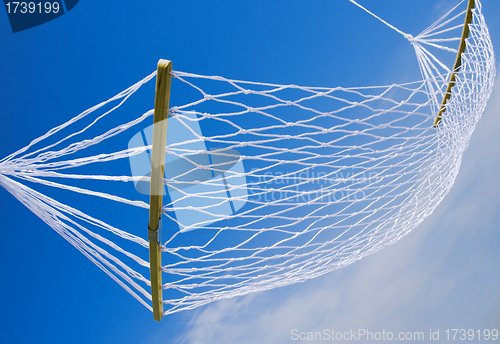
x=258, y=185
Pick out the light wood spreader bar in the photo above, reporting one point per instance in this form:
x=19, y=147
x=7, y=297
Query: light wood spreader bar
x=162, y=98
x=458, y=61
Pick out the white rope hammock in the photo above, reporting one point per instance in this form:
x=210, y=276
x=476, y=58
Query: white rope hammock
x=265, y=184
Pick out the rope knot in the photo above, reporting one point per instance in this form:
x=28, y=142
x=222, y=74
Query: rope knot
x=409, y=37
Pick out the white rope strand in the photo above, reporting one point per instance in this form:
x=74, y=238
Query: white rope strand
x=405, y=35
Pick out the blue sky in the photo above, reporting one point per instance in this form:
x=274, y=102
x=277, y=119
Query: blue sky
x=442, y=275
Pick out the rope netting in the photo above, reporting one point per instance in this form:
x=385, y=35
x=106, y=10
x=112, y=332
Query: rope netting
x=265, y=184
